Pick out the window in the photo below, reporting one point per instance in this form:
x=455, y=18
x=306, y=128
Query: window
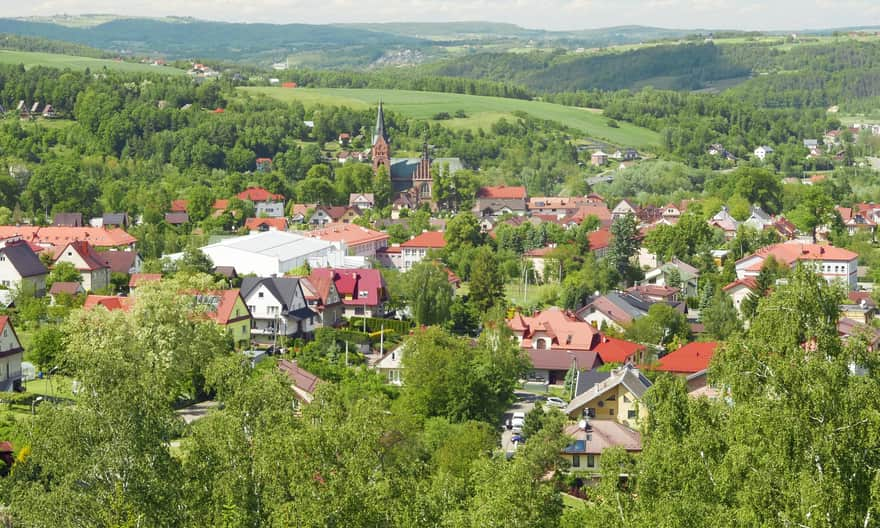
x=252, y=308
x=260, y=295
x=611, y=412
x=591, y=461
x=632, y=414
x=601, y=404
x=359, y=310
x=575, y=461
x=625, y=399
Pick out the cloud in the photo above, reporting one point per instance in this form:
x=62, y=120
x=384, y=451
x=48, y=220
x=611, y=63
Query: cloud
x=550, y=14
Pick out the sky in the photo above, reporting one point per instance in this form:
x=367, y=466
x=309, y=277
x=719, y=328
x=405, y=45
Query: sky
x=546, y=14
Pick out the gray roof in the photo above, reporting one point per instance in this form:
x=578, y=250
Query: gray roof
x=628, y=376
x=68, y=220
x=283, y=288
x=627, y=305
x=23, y=259
x=115, y=219
x=588, y=378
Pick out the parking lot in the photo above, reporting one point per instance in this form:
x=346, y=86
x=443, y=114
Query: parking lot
x=525, y=402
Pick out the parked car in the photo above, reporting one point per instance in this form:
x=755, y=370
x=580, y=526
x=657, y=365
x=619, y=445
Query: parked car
x=519, y=418
x=517, y=438
x=553, y=401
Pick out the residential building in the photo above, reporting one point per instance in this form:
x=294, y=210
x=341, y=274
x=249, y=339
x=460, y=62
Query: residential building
x=278, y=307
x=390, y=366
x=363, y=291
x=177, y=218
x=763, y=151
x=598, y=158
x=139, y=279
x=266, y=224
x=832, y=263
x=558, y=206
x=68, y=220
x=123, y=262
x=687, y=360
x=11, y=353
x=391, y=256
x=119, y=220
x=616, y=397
x=360, y=241
x=362, y=201
x=303, y=382
x=54, y=237
x=611, y=310
x=590, y=438
x=19, y=264
x=228, y=309
x=501, y=200
x=94, y=272
x=739, y=290
x=613, y=350
x=69, y=289
x=623, y=208
x=266, y=203
x=417, y=248
x=687, y=274
x=323, y=298
x=324, y=215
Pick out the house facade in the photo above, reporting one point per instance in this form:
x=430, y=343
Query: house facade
x=278, y=307
x=832, y=263
x=417, y=248
x=616, y=398
x=19, y=265
x=11, y=354
x=95, y=274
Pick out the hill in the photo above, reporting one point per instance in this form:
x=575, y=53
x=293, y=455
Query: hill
x=54, y=60
x=481, y=111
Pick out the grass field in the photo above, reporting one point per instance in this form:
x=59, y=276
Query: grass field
x=481, y=111
x=52, y=60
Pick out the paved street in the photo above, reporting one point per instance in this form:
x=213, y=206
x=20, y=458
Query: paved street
x=196, y=411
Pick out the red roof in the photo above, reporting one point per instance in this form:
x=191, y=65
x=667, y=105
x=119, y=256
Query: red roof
x=226, y=302
x=502, y=193
x=613, y=350
x=110, y=302
x=119, y=261
x=428, y=239
x=220, y=205
x=360, y=287
x=564, y=331
x=138, y=279
x=300, y=377
x=179, y=206
x=61, y=236
x=70, y=288
x=599, y=239
x=790, y=252
x=688, y=359
x=253, y=224
x=258, y=194
x=749, y=282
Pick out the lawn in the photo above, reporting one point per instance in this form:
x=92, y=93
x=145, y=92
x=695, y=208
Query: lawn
x=53, y=60
x=56, y=386
x=535, y=294
x=481, y=111
x=570, y=501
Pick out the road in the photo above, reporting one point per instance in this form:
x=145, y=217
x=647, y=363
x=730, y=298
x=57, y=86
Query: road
x=196, y=411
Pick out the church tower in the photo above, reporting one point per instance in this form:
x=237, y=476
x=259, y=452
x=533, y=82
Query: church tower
x=423, y=180
x=381, y=150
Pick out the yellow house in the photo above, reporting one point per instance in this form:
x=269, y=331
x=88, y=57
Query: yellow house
x=615, y=397
x=229, y=310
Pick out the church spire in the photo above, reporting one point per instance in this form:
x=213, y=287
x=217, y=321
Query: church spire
x=380, y=126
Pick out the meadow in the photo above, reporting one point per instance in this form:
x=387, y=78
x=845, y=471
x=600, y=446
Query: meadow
x=53, y=60
x=481, y=111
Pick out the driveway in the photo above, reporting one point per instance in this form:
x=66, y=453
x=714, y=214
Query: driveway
x=525, y=402
x=196, y=411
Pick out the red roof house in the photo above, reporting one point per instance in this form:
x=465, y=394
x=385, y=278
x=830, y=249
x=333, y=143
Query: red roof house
x=689, y=359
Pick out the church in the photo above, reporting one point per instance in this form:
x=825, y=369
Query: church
x=411, y=176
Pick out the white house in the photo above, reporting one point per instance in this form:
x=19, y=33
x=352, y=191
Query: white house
x=739, y=290
x=18, y=264
x=391, y=366
x=95, y=274
x=417, y=248
x=763, y=151
x=832, y=263
x=11, y=354
x=278, y=308
x=362, y=201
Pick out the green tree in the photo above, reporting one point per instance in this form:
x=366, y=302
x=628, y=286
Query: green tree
x=428, y=293
x=720, y=317
x=624, y=244
x=462, y=229
x=63, y=272
x=47, y=346
x=815, y=209
x=659, y=326
x=486, y=281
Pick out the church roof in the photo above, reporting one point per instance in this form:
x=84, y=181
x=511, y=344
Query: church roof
x=380, y=126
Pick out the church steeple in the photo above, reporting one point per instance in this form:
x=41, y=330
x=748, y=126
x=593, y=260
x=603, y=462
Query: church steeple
x=381, y=151
x=380, y=126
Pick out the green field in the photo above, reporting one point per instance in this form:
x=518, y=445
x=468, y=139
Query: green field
x=481, y=111
x=52, y=60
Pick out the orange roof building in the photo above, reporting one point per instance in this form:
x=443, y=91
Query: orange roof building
x=689, y=359
x=416, y=249
x=359, y=240
x=832, y=263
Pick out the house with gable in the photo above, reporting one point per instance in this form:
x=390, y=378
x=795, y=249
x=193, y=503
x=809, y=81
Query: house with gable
x=497, y=201
x=589, y=439
x=832, y=263
x=623, y=208
x=228, y=309
x=323, y=298
x=739, y=290
x=278, y=307
x=555, y=341
x=614, y=396
x=362, y=201
x=266, y=224
x=303, y=382
x=687, y=360
x=266, y=203
x=763, y=151
x=94, y=272
x=19, y=265
x=363, y=291
x=390, y=366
